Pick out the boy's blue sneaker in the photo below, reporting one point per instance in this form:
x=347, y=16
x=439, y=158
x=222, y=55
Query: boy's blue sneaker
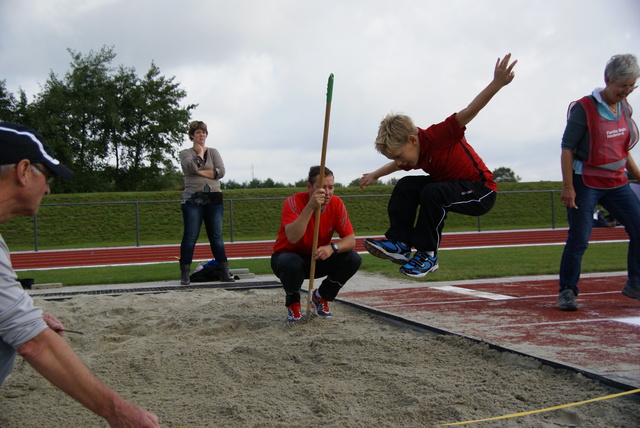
x=420, y=265
x=397, y=252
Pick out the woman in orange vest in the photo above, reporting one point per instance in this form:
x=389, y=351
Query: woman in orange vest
x=595, y=162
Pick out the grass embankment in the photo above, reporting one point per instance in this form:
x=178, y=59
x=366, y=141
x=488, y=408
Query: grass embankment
x=61, y=223
x=257, y=218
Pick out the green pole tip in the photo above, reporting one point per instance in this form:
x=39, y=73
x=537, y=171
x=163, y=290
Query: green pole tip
x=330, y=88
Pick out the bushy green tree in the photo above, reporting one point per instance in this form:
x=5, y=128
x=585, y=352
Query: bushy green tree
x=117, y=131
x=7, y=101
x=505, y=175
x=11, y=109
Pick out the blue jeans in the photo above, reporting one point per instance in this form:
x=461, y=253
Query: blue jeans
x=623, y=205
x=193, y=215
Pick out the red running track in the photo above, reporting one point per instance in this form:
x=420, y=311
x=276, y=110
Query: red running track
x=520, y=314
x=48, y=259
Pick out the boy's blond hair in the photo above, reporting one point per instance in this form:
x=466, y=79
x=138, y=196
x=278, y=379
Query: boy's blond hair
x=394, y=132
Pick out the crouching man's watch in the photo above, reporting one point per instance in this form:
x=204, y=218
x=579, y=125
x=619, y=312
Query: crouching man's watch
x=335, y=247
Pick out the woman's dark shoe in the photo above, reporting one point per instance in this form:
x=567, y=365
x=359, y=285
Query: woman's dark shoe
x=225, y=275
x=185, y=268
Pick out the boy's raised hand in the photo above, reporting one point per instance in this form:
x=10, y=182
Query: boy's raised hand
x=503, y=73
x=502, y=76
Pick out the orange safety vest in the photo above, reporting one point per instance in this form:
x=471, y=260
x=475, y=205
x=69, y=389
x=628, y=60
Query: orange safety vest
x=609, y=145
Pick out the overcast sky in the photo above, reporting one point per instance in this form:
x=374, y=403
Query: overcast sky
x=258, y=69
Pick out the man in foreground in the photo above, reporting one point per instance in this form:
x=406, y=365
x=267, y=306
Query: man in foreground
x=26, y=167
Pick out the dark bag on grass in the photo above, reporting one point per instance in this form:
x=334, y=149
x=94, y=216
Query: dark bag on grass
x=206, y=274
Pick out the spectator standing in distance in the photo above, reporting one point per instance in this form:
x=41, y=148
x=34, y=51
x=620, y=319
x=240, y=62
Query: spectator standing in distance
x=202, y=201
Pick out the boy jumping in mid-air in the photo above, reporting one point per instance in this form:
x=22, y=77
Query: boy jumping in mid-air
x=458, y=180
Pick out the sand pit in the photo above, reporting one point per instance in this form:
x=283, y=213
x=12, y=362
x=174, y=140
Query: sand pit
x=216, y=358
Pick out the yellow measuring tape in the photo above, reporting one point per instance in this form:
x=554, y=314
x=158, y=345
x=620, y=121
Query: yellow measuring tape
x=514, y=415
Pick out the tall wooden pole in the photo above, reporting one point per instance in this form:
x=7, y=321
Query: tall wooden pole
x=323, y=157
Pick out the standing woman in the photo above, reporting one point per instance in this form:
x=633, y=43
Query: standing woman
x=202, y=200
x=595, y=162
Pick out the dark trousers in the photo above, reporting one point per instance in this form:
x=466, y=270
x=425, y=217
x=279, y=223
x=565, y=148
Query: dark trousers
x=292, y=269
x=193, y=216
x=623, y=205
x=432, y=200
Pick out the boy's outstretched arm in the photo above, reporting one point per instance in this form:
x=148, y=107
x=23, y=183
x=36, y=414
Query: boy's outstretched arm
x=371, y=177
x=502, y=75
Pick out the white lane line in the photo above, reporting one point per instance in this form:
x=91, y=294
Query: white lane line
x=471, y=292
x=628, y=320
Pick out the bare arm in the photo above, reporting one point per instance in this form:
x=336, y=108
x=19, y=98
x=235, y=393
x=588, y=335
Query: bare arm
x=52, y=357
x=502, y=75
x=371, y=177
x=347, y=243
x=568, y=195
x=344, y=244
x=295, y=230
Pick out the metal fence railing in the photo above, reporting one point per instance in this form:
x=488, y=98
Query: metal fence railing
x=541, y=205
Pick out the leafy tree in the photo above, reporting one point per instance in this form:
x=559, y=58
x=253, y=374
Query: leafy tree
x=152, y=128
x=504, y=174
x=115, y=130
x=7, y=101
x=268, y=184
x=356, y=182
x=392, y=181
x=11, y=109
x=231, y=184
x=254, y=184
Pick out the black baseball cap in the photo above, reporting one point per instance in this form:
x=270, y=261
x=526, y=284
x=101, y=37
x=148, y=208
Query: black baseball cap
x=19, y=142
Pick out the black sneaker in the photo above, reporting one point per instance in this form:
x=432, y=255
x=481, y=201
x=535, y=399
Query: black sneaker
x=397, y=252
x=567, y=301
x=630, y=291
x=420, y=265
x=320, y=305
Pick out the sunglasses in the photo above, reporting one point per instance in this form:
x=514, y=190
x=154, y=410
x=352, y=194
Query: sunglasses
x=44, y=171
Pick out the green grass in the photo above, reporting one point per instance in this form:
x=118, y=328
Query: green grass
x=454, y=265
x=256, y=216
x=108, y=219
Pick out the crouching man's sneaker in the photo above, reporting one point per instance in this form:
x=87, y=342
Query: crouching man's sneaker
x=420, y=265
x=320, y=305
x=293, y=312
x=630, y=291
x=567, y=301
x=397, y=252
